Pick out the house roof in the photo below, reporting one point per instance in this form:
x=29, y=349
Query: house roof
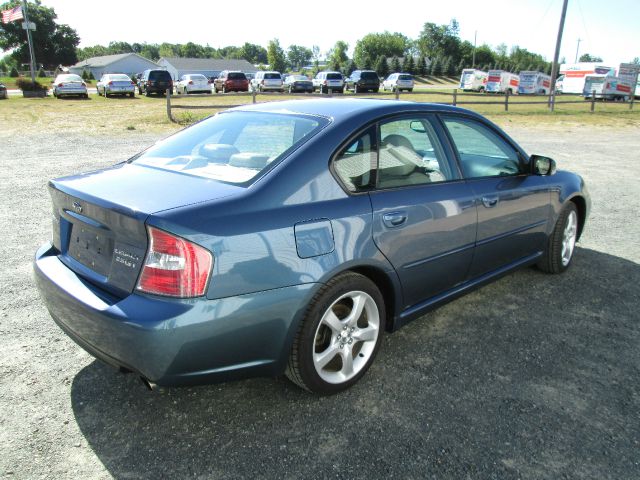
x=105, y=60
x=202, y=64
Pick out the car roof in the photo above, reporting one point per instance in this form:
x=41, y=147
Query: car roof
x=340, y=109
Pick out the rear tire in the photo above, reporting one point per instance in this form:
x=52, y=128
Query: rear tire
x=339, y=337
x=561, y=244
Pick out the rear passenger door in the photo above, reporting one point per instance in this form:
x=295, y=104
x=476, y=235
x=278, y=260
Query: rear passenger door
x=424, y=216
x=513, y=206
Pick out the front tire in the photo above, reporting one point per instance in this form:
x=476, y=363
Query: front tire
x=561, y=244
x=339, y=337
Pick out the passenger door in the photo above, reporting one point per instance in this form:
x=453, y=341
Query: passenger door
x=424, y=216
x=513, y=206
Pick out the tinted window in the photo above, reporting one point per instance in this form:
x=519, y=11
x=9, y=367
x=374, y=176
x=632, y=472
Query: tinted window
x=369, y=75
x=355, y=162
x=482, y=152
x=231, y=147
x=272, y=76
x=120, y=77
x=334, y=76
x=68, y=78
x=159, y=75
x=198, y=77
x=405, y=77
x=236, y=76
x=410, y=154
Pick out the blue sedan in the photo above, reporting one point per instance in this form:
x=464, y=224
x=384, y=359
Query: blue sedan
x=286, y=237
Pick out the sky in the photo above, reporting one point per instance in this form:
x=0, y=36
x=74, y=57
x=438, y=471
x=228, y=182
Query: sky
x=610, y=30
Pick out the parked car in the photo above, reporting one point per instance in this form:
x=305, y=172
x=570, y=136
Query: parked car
x=398, y=81
x=327, y=82
x=363, y=81
x=193, y=83
x=3, y=91
x=69, y=85
x=298, y=83
x=235, y=249
x=231, y=81
x=155, y=81
x=116, y=84
x=265, y=81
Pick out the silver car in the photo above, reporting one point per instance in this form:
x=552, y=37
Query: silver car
x=193, y=83
x=328, y=82
x=398, y=81
x=115, y=84
x=69, y=84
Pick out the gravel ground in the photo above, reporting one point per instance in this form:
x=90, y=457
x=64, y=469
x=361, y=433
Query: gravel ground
x=533, y=376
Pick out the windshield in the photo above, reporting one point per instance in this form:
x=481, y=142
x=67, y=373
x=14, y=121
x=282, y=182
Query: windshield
x=299, y=78
x=405, y=77
x=272, y=76
x=198, y=78
x=232, y=147
x=119, y=78
x=68, y=78
x=334, y=76
x=369, y=75
x=236, y=76
x=159, y=75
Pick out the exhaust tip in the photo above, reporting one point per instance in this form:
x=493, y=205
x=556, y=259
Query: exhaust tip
x=150, y=385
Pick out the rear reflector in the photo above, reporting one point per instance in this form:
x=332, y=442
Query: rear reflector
x=174, y=266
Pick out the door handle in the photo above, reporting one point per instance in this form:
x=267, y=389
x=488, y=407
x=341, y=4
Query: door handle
x=490, y=201
x=394, y=219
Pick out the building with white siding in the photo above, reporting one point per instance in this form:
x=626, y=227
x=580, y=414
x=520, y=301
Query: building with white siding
x=210, y=67
x=129, y=63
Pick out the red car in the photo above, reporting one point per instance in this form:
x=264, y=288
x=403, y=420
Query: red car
x=231, y=82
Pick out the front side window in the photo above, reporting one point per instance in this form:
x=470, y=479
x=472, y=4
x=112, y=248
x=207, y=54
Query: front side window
x=232, y=147
x=481, y=151
x=410, y=154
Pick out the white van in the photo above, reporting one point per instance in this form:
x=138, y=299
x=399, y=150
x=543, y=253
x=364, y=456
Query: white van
x=328, y=82
x=264, y=81
x=532, y=82
x=500, y=81
x=606, y=87
x=473, y=80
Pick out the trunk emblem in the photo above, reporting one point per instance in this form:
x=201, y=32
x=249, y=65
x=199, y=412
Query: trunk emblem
x=77, y=207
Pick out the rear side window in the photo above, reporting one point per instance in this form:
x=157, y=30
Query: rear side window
x=236, y=76
x=232, y=147
x=481, y=151
x=355, y=163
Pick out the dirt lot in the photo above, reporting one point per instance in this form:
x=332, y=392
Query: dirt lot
x=534, y=376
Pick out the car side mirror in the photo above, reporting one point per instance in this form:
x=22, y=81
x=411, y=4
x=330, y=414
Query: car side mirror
x=542, y=165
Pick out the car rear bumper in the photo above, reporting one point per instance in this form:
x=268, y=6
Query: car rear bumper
x=174, y=341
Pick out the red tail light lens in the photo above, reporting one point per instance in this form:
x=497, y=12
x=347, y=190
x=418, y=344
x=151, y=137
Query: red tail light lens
x=110, y=83
x=190, y=82
x=61, y=84
x=174, y=266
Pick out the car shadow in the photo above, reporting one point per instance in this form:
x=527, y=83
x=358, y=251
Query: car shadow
x=501, y=382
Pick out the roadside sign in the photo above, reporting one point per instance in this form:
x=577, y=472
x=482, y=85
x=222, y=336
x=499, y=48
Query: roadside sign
x=28, y=26
x=629, y=72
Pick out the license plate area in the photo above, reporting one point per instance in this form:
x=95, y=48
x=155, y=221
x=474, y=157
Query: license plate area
x=91, y=247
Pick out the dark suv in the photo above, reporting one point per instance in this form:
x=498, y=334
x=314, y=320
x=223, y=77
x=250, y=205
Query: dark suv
x=363, y=81
x=231, y=82
x=154, y=81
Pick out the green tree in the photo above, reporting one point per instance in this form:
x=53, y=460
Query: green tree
x=53, y=44
x=395, y=64
x=409, y=65
x=41, y=73
x=191, y=50
x=435, y=67
x=253, y=53
x=298, y=56
x=14, y=73
x=351, y=67
x=275, y=56
x=440, y=40
x=585, y=57
x=373, y=45
x=382, y=67
x=337, y=56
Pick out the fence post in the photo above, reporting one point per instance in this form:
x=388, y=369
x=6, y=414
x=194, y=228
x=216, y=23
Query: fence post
x=397, y=93
x=631, y=97
x=253, y=94
x=455, y=96
x=506, y=100
x=169, y=107
x=593, y=100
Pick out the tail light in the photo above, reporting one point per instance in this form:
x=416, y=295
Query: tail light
x=174, y=266
x=84, y=84
x=190, y=82
x=150, y=83
x=61, y=84
x=110, y=83
x=133, y=83
x=262, y=82
x=324, y=83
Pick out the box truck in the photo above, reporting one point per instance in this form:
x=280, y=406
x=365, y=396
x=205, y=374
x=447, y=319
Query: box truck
x=499, y=81
x=473, y=80
x=606, y=87
x=534, y=82
x=573, y=75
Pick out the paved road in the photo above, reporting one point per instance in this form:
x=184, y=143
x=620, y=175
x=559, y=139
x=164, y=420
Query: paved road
x=534, y=376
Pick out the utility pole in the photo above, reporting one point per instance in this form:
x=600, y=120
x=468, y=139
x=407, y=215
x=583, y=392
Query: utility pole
x=577, y=50
x=554, y=67
x=475, y=38
x=30, y=41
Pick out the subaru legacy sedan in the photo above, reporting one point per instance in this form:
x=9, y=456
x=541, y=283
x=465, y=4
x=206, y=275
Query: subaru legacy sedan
x=287, y=237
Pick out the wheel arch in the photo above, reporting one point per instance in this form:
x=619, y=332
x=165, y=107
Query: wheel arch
x=581, y=206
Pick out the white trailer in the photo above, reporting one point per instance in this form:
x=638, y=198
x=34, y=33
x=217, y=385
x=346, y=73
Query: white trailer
x=473, y=80
x=500, y=81
x=574, y=75
x=606, y=87
x=532, y=82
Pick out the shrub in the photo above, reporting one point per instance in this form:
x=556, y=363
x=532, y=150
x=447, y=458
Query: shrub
x=29, y=86
x=90, y=76
x=85, y=75
x=41, y=73
x=14, y=73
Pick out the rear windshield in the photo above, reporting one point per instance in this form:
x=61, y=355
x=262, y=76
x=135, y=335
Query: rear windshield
x=198, y=77
x=272, y=76
x=232, y=147
x=405, y=77
x=69, y=78
x=236, y=76
x=159, y=75
x=369, y=75
x=119, y=78
x=334, y=76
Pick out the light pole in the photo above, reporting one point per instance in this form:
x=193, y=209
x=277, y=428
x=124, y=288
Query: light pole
x=554, y=67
